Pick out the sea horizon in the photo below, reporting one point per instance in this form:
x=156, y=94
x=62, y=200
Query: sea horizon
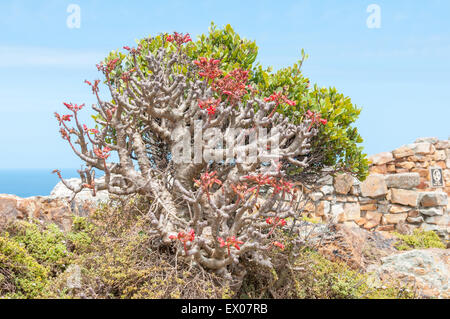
x=28, y=182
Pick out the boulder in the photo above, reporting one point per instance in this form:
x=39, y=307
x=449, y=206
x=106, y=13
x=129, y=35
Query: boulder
x=430, y=199
x=352, y=211
x=61, y=191
x=431, y=212
x=403, y=180
x=355, y=246
x=422, y=148
x=404, y=197
x=428, y=270
x=374, y=186
x=431, y=140
x=381, y=158
x=403, y=151
x=343, y=183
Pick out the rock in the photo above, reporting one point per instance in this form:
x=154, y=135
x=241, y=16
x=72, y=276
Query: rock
x=369, y=207
x=326, y=180
x=430, y=199
x=8, y=208
x=316, y=196
x=352, y=211
x=442, y=145
x=403, y=180
x=61, y=191
x=45, y=209
x=431, y=212
x=355, y=246
x=343, y=183
x=396, y=209
x=323, y=208
x=440, y=155
x=394, y=218
x=327, y=189
x=404, y=197
x=404, y=167
x=438, y=220
x=378, y=169
x=370, y=224
x=415, y=220
x=403, y=151
x=337, y=211
x=381, y=158
x=426, y=269
x=432, y=140
x=374, y=186
x=373, y=215
x=422, y=148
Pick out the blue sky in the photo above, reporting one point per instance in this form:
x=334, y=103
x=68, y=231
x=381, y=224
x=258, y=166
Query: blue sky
x=398, y=74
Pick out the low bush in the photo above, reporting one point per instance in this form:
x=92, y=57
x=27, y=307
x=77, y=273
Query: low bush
x=419, y=239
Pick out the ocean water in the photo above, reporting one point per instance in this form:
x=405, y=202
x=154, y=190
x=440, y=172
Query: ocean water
x=31, y=182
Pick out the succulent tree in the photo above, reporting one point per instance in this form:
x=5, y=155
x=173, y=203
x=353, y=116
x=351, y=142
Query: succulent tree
x=207, y=149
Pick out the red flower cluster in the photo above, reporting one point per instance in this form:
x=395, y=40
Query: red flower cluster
x=179, y=38
x=234, y=85
x=133, y=50
x=93, y=86
x=184, y=238
x=63, y=118
x=278, y=244
x=275, y=222
x=111, y=65
x=241, y=189
x=210, y=105
x=315, y=118
x=279, y=185
x=209, y=68
x=278, y=98
x=207, y=180
x=73, y=107
x=231, y=241
x=103, y=154
x=64, y=134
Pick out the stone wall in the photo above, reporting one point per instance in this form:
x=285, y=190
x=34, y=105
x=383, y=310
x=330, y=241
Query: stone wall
x=397, y=195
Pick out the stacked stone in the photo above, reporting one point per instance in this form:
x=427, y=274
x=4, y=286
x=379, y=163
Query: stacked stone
x=397, y=191
x=417, y=157
x=381, y=202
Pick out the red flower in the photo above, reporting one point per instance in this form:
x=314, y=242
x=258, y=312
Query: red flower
x=206, y=181
x=231, y=241
x=278, y=244
x=234, y=85
x=179, y=38
x=278, y=98
x=73, y=107
x=210, y=105
x=184, y=238
x=315, y=118
x=209, y=69
x=103, y=154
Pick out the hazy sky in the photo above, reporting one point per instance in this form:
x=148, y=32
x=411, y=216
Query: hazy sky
x=398, y=73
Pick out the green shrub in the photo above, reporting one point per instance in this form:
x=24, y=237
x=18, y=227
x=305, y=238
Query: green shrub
x=47, y=245
x=123, y=261
x=21, y=276
x=419, y=239
x=312, y=276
